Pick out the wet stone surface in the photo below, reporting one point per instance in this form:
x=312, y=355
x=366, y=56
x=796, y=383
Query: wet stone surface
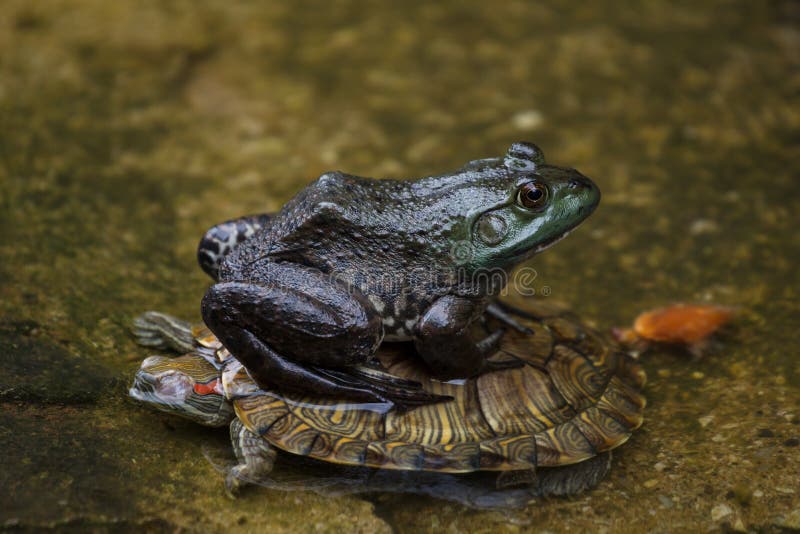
x=127, y=128
x=39, y=369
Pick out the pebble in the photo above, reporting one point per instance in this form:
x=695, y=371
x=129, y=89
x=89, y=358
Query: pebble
x=792, y=519
x=659, y=466
x=792, y=442
x=652, y=483
x=758, y=494
x=665, y=501
x=765, y=453
x=765, y=433
x=697, y=375
x=703, y=226
x=743, y=494
x=705, y=420
x=529, y=119
x=720, y=511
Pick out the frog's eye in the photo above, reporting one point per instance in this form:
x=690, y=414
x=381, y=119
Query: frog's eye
x=532, y=195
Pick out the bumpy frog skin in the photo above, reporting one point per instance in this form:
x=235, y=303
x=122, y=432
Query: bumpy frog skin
x=304, y=297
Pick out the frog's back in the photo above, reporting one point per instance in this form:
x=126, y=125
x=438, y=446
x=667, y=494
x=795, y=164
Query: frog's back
x=578, y=396
x=336, y=222
x=342, y=221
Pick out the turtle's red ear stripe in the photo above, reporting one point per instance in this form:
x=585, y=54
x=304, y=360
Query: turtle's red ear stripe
x=210, y=388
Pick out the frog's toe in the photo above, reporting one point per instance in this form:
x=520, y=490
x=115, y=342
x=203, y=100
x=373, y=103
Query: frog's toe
x=505, y=314
x=499, y=365
x=386, y=388
x=491, y=343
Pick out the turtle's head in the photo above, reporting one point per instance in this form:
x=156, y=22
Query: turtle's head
x=189, y=386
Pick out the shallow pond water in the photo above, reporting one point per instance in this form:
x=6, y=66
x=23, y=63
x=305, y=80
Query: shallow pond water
x=128, y=127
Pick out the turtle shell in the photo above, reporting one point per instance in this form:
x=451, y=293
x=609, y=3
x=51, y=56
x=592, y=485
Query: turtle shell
x=576, y=396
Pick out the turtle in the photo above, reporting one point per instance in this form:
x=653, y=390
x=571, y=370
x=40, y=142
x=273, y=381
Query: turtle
x=547, y=426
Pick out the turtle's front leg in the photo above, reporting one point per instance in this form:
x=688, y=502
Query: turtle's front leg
x=256, y=458
x=222, y=238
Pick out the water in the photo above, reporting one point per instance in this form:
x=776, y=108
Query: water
x=128, y=128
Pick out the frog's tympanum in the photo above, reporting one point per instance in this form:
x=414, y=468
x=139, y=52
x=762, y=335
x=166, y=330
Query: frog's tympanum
x=304, y=297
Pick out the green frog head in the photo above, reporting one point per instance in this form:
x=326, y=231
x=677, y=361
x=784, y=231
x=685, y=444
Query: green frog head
x=536, y=205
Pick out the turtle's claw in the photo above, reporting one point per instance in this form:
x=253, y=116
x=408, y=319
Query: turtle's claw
x=233, y=484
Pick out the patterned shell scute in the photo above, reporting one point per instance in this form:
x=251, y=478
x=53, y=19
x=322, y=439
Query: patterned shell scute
x=524, y=401
x=575, y=396
x=576, y=378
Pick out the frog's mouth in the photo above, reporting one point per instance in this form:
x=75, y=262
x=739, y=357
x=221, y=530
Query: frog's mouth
x=521, y=252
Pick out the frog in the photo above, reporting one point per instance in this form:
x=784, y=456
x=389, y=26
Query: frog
x=303, y=297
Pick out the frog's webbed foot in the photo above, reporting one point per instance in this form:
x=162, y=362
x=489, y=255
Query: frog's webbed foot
x=491, y=344
x=160, y=331
x=221, y=239
x=401, y=393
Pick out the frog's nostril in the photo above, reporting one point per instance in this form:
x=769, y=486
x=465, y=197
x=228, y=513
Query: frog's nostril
x=578, y=183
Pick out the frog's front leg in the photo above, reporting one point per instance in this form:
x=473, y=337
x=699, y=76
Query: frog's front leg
x=443, y=340
x=299, y=330
x=222, y=238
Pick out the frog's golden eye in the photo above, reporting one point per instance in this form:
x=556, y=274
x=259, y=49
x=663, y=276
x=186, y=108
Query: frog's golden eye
x=532, y=195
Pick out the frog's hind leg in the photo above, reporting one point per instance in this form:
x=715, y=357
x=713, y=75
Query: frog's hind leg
x=301, y=331
x=256, y=458
x=160, y=331
x=221, y=239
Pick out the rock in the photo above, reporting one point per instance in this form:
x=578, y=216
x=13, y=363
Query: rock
x=792, y=520
x=705, y=420
x=721, y=511
x=703, y=226
x=743, y=494
x=527, y=120
x=40, y=370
